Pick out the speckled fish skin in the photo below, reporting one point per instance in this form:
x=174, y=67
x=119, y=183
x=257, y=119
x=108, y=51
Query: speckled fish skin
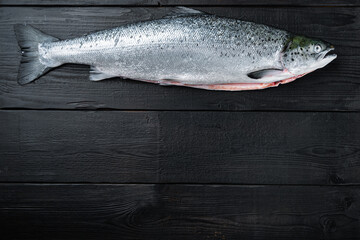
x=203, y=49
x=194, y=49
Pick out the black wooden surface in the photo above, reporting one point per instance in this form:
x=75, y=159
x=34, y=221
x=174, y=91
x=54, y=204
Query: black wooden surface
x=121, y=159
x=177, y=211
x=335, y=87
x=158, y=3
x=180, y=147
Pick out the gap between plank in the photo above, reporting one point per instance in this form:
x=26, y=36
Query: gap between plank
x=179, y=183
x=176, y=5
x=169, y=110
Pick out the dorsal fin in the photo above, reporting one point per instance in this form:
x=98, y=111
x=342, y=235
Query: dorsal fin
x=183, y=11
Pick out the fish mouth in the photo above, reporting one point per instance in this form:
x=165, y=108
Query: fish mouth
x=325, y=54
x=324, y=58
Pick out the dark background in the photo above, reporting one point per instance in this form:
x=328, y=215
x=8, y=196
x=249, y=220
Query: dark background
x=121, y=159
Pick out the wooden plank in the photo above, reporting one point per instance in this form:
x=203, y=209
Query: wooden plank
x=183, y=3
x=180, y=147
x=178, y=212
x=334, y=88
x=67, y=146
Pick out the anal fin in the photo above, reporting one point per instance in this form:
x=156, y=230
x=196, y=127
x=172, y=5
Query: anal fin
x=170, y=82
x=98, y=75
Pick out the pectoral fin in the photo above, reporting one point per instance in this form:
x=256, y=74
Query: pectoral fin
x=265, y=73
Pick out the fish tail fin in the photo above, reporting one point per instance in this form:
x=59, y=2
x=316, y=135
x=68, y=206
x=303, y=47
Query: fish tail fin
x=28, y=39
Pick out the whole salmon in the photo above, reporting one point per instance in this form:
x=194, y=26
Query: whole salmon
x=187, y=48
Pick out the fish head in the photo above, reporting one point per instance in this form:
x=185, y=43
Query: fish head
x=303, y=55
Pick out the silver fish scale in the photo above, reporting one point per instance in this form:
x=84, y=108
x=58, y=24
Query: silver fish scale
x=199, y=49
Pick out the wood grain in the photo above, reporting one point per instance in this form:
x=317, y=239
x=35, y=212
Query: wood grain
x=183, y=2
x=121, y=159
x=178, y=212
x=334, y=88
x=180, y=147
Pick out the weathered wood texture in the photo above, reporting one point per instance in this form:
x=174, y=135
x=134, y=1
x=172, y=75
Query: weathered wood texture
x=182, y=169
x=183, y=2
x=180, y=147
x=336, y=87
x=178, y=212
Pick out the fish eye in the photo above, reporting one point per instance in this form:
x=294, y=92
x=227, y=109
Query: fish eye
x=317, y=48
